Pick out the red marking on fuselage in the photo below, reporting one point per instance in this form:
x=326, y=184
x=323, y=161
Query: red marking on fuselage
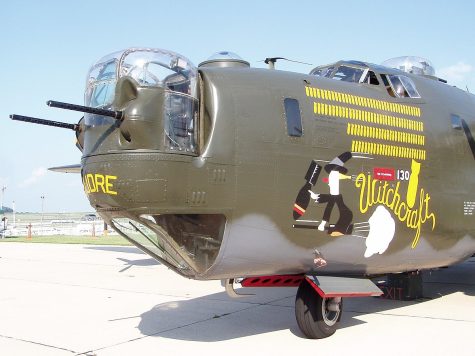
x=384, y=173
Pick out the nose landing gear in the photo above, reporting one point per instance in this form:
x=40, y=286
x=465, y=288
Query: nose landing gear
x=316, y=316
x=318, y=304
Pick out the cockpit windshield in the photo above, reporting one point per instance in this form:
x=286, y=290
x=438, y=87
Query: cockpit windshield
x=323, y=71
x=344, y=73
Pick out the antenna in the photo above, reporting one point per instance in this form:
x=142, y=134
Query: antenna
x=272, y=60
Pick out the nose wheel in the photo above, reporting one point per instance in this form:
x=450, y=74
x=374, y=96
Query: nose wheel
x=316, y=316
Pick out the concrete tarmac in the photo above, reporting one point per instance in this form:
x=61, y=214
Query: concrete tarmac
x=104, y=300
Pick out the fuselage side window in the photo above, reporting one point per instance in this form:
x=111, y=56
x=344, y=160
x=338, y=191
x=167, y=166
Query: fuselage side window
x=456, y=122
x=293, y=117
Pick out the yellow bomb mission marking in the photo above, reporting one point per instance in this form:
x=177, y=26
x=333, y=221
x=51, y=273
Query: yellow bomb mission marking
x=99, y=183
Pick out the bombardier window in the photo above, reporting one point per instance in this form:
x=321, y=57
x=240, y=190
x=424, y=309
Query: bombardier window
x=294, y=119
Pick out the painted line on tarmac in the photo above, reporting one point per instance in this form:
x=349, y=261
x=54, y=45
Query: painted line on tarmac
x=37, y=343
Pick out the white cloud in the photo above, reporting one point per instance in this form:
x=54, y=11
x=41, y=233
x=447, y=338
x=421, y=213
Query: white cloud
x=34, y=177
x=458, y=73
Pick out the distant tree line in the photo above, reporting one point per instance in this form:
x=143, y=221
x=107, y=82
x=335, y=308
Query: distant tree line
x=6, y=210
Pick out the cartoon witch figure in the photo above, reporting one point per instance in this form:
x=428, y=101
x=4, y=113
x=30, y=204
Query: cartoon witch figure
x=336, y=172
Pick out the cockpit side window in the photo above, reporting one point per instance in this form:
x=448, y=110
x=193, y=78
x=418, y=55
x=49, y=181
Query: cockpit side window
x=371, y=78
x=398, y=86
x=410, y=87
x=386, y=83
x=402, y=86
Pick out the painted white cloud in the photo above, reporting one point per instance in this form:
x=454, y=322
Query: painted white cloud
x=458, y=73
x=381, y=231
x=34, y=177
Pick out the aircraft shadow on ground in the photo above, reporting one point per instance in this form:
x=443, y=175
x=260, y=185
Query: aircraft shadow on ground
x=196, y=320
x=143, y=262
x=436, y=284
x=124, y=249
x=217, y=317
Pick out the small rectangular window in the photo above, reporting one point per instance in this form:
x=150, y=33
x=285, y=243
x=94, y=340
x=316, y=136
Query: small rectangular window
x=294, y=119
x=456, y=122
x=371, y=78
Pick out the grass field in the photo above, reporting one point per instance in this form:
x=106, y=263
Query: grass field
x=88, y=240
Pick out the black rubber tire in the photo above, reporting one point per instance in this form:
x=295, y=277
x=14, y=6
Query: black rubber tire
x=310, y=315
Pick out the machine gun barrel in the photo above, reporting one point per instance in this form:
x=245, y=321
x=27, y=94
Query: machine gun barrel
x=86, y=109
x=35, y=120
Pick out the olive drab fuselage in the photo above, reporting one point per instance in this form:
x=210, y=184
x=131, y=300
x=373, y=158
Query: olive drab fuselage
x=263, y=172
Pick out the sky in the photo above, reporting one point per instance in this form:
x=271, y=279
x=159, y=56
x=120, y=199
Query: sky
x=48, y=46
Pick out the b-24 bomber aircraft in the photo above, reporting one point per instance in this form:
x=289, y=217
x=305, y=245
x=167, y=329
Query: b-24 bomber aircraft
x=319, y=180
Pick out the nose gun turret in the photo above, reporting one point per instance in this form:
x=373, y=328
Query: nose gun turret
x=116, y=114
x=79, y=127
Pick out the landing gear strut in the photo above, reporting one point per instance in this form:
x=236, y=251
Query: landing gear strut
x=317, y=317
